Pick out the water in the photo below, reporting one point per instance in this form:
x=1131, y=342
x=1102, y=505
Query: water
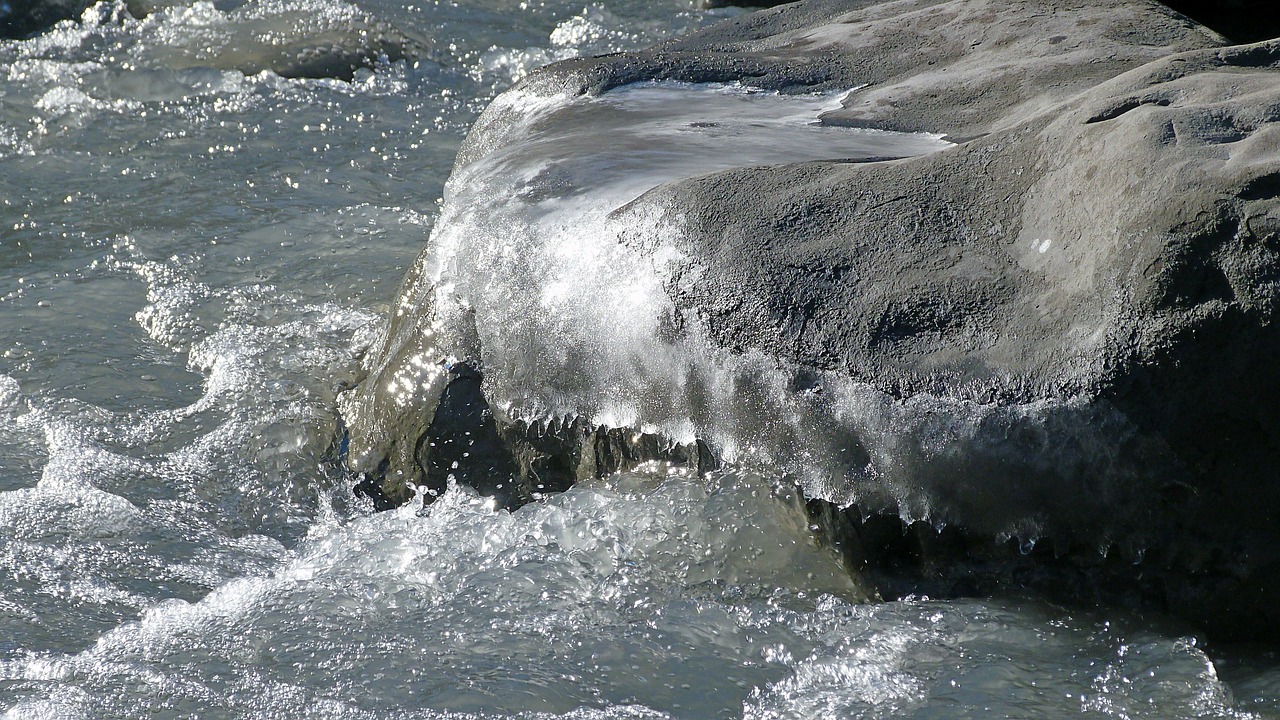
x=195, y=254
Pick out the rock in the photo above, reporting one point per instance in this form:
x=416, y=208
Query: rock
x=963, y=68
x=1120, y=253
x=275, y=37
x=1060, y=329
x=24, y=18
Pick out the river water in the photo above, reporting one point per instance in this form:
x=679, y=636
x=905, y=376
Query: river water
x=195, y=252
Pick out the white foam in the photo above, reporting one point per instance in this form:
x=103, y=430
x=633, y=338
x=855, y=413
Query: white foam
x=10, y=395
x=929, y=659
x=680, y=559
x=64, y=502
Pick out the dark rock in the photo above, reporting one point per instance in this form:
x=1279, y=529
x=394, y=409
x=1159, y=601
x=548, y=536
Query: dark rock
x=422, y=424
x=914, y=558
x=340, y=56
x=515, y=461
x=1118, y=251
x=334, y=48
x=1105, y=253
x=1240, y=21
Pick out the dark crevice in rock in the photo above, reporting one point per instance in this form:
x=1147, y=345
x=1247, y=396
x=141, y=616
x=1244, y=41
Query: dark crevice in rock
x=913, y=559
x=552, y=456
x=371, y=487
x=1266, y=187
x=1125, y=107
x=463, y=443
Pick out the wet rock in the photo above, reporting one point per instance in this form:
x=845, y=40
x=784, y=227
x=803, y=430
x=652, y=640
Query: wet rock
x=337, y=52
x=512, y=460
x=24, y=18
x=1060, y=328
x=1115, y=250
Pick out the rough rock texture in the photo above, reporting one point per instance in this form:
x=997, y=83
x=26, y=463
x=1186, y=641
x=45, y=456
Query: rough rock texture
x=963, y=68
x=1085, y=285
x=742, y=3
x=1122, y=248
x=1066, y=255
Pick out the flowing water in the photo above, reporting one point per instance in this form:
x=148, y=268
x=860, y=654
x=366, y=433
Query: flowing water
x=195, y=252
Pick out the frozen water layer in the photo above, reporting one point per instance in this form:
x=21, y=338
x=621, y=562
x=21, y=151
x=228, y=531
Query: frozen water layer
x=633, y=138
x=565, y=296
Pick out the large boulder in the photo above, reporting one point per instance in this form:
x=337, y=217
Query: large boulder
x=1060, y=327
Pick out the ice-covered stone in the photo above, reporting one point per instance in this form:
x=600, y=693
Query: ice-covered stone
x=1061, y=326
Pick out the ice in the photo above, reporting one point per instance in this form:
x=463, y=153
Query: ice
x=568, y=298
x=563, y=282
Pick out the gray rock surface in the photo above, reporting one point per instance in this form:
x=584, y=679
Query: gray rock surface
x=1061, y=327
x=1121, y=248
x=960, y=68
